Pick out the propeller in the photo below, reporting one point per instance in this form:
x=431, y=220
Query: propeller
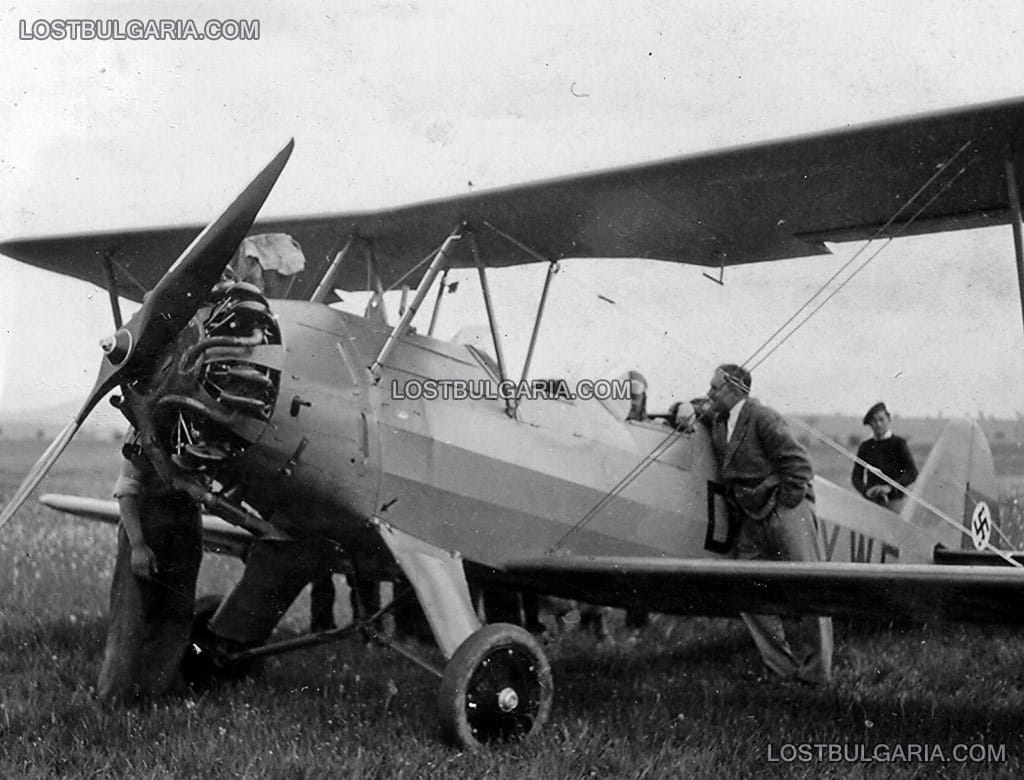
x=166, y=309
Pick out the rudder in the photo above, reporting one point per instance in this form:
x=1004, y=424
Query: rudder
x=958, y=479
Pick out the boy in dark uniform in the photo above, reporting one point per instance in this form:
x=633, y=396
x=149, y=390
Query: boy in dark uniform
x=887, y=454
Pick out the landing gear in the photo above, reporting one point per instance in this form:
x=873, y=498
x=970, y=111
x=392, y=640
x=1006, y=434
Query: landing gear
x=496, y=688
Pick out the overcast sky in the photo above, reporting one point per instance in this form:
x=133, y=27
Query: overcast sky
x=391, y=103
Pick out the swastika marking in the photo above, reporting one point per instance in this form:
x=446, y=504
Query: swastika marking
x=981, y=525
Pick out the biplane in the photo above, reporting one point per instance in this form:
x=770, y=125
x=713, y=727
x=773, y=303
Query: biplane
x=283, y=415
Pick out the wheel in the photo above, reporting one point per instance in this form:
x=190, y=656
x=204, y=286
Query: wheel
x=496, y=688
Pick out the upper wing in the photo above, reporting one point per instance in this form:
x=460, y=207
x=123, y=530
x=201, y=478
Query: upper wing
x=919, y=593
x=219, y=536
x=747, y=204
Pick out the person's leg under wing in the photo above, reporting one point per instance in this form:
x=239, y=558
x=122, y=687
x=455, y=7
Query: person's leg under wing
x=126, y=629
x=769, y=636
x=174, y=529
x=275, y=573
x=793, y=533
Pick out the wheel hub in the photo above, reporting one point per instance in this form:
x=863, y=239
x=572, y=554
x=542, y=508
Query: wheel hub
x=508, y=699
x=496, y=688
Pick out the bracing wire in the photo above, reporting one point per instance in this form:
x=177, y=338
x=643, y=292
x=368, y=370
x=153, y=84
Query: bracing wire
x=894, y=484
x=659, y=449
x=416, y=267
x=877, y=234
x=673, y=435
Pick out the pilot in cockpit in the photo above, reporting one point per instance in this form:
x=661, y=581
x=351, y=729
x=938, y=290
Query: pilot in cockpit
x=679, y=415
x=637, y=397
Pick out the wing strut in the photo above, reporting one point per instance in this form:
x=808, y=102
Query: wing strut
x=437, y=301
x=115, y=306
x=1015, y=223
x=439, y=262
x=552, y=270
x=491, y=320
x=323, y=288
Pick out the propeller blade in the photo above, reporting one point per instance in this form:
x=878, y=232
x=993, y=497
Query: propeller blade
x=166, y=309
x=39, y=470
x=53, y=451
x=183, y=288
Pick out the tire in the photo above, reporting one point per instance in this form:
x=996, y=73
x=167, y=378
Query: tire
x=496, y=688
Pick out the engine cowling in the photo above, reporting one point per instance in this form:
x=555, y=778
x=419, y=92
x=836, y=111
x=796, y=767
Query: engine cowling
x=218, y=394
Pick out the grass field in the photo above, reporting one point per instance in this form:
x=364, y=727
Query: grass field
x=683, y=700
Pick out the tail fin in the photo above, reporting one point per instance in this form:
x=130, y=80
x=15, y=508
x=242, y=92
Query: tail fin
x=959, y=479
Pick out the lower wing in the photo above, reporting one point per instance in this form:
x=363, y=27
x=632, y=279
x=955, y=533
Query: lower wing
x=219, y=536
x=918, y=593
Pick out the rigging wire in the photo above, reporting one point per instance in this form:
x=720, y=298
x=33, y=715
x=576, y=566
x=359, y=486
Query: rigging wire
x=856, y=271
x=659, y=449
x=571, y=273
x=893, y=483
x=877, y=234
x=673, y=435
x=427, y=258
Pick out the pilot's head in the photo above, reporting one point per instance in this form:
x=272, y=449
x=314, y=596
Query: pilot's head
x=730, y=384
x=637, y=396
x=879, y=419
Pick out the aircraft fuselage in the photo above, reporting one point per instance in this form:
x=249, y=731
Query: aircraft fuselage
x=341, y=450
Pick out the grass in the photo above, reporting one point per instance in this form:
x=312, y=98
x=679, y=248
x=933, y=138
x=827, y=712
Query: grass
x=683, y=700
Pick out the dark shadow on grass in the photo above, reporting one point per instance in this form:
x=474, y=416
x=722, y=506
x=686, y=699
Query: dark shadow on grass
x=926, y=718
x=859, y=628
x=715, y=679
